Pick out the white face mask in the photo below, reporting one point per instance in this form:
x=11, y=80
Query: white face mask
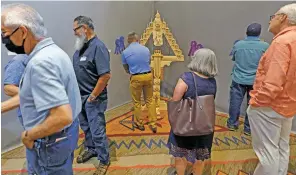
x=80, y=41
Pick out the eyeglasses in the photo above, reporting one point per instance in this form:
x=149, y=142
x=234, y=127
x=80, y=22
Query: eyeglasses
x=272, y=16
x=77, y=28
x=2, y=34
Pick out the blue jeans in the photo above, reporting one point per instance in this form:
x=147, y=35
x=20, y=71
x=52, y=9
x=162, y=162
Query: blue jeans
x=30, y=169
x=237, y=94
x=53, y=155
x=93, y=123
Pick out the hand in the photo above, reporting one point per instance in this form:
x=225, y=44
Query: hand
x=27, y=141
x=91, y=98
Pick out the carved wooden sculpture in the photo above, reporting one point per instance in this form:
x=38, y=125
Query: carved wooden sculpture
x=158, y=28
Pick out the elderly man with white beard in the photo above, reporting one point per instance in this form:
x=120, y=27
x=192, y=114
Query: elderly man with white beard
x=92, y=67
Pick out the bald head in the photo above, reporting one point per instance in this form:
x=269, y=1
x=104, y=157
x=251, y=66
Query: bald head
x=132, y=37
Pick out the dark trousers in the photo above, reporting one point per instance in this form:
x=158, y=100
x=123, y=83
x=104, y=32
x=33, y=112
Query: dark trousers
x=93, y=123
x=237, y=94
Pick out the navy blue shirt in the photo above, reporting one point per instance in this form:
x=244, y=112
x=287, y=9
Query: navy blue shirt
x=205, y=86
x=13, y=73
x=91, y=62
x=137, y=57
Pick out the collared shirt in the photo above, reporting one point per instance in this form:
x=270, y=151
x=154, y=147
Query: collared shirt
x=275, y=81
x=137, y=57
x=48, y=81
x=246, y=56
x=13, y=72
x=91, y=62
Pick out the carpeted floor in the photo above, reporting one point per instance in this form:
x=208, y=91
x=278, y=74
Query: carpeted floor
x=134, y=152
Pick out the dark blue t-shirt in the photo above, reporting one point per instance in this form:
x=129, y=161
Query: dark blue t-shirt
x=91, y=62
x=205, y=86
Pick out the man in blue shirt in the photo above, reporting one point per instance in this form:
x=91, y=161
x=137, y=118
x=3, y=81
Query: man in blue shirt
x=49, y=94
x=92, y=67
x=246, y=56
x=136, y=62
x=13, y=72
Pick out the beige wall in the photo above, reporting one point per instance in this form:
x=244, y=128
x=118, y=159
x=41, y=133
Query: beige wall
x=216, y=25
x=111, y=19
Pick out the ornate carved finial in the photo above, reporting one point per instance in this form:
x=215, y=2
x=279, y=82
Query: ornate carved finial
x=157, y=15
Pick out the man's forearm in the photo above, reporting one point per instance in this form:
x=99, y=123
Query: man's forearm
x=101, y=84
x=126, y=68
x=127, y=71
x=11, y=90
x=10, y=104
x=57, y=119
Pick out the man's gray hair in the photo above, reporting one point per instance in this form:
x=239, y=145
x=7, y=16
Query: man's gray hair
x=204, y=62
x=85, y=20
x=16, y=15
x=290, y=11
x=133, y=35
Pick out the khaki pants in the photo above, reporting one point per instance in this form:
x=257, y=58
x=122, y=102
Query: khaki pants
x=270, y=139
x=138, y=84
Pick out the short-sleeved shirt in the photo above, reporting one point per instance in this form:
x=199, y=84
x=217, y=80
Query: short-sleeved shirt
x=246, y=57
x=137, y=57
x=13, y=72
x=91, y=62
x=204, y=86
x=48, y=81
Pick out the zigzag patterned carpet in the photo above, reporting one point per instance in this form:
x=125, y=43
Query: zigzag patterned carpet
x=232, y=151
x=135, y=152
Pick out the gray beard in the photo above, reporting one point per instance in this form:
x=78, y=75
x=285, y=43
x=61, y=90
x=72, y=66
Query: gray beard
x=80, y=41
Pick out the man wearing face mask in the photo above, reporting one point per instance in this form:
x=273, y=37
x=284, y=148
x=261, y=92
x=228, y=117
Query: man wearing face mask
x=92, y=67
x=13, y=73
x=48, y=92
